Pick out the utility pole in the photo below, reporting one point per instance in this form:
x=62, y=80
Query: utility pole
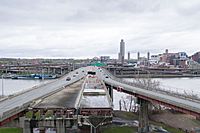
x=42, y=75
x=2, y=85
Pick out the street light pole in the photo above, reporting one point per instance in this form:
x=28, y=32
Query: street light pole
x=2, y=86
x=42, y=75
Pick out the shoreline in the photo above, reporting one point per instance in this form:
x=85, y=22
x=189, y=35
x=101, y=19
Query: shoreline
x=157, y=76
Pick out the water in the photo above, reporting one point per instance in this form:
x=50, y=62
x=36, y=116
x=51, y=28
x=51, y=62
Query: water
x=189, y=85
x=11, y=86
x=179, y=85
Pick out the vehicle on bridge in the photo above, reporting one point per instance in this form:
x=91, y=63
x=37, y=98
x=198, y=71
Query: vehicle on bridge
x=91, y=72
x=68, y=79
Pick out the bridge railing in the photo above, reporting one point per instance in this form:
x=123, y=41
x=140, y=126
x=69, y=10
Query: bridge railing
x=14, y=111
x=153, y=86
x=26, y=90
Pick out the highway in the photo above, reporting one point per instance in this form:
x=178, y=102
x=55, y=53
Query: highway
x=20, y=102
x=41, y=91
x=168, y=99
x=65, y=98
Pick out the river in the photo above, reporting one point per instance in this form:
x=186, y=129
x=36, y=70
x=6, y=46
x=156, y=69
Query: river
x=11, y=86
x=180, y=85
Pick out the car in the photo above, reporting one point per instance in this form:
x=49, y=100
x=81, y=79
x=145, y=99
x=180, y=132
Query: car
x=106, y=76
x=68, y=79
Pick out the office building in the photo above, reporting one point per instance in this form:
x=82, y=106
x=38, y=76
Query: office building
x=122, y=51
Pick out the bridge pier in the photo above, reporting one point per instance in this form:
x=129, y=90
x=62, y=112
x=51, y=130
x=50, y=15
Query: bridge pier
x=143, y=116
x=110, y=90
x=114, y=73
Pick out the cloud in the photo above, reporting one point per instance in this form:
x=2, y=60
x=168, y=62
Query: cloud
x=76, y=28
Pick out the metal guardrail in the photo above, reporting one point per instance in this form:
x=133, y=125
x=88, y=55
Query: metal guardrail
x=16, y=110
x=155, y=89
x=78, y=99
x=171, y=100
x=27, y=90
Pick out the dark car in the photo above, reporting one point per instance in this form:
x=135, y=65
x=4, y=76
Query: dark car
x=68, y=79
x=106, y=76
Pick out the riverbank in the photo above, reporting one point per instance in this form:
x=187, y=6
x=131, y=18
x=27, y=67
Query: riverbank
x=165, y=120
x=177, y=120
x=157, y=76
x=127, y=122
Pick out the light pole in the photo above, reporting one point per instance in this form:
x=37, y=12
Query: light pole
x=42, y=75
x=2, y=85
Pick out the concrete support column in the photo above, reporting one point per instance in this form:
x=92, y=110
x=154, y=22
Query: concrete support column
x=64, y=71
x=48, y=70
x=26, y=127
x=60, y=126
x=33, y=124
x=54, y=71
x=121, y=72
x=93, y=129
x=143, y=116
x=111, y=92
x=24, y=124
x=61, y=72
x=114, y=72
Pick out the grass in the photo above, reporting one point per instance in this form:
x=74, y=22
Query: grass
x=133, y=116
x=10, y=130
x=126, y=115
x=124, y=129
x=173, y=130
x=197, y=121
x=168, y=128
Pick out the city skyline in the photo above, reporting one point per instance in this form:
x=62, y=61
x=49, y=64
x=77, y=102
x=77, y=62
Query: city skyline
x=85, y=29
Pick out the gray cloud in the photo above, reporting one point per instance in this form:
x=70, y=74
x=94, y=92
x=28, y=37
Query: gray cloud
x=77, y=28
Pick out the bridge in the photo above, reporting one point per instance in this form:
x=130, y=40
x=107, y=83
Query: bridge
x=131, y=72
x=38, y=68
x=74, y=100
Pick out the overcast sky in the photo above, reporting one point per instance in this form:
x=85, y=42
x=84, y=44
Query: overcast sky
x=88, y=28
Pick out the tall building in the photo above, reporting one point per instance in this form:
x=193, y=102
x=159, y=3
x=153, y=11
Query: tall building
x=122, y=51
x=129, y=56
x=166, y=51
x=148, y=55
x=138, y=55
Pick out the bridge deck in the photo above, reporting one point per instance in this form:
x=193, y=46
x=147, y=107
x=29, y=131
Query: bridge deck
x=20, y=102
x=65, y=98
x=151, y=95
